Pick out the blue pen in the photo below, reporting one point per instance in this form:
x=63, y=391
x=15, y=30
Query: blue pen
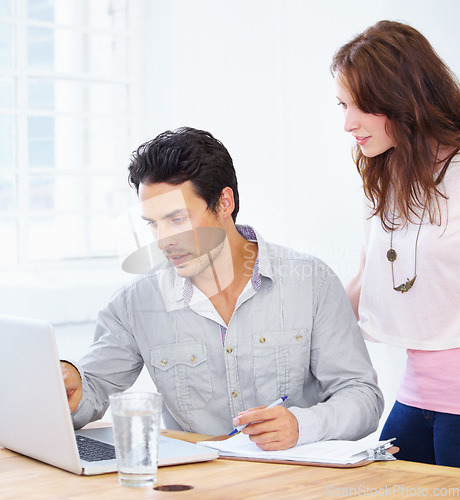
x=241, y=427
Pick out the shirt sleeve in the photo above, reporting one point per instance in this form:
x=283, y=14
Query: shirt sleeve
x=112, y=363
x=350, y=401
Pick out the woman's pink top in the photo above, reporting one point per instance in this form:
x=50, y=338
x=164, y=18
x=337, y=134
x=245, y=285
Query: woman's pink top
x=432, y=380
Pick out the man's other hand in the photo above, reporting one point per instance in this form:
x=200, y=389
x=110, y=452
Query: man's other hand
x=73, y=385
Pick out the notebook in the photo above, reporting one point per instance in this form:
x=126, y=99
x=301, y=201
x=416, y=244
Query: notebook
x=34, y=414
x=337, y=453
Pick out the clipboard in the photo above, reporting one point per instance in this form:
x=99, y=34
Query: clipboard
x=381, y=452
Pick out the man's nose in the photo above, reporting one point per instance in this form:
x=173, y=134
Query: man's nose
x=165, y=237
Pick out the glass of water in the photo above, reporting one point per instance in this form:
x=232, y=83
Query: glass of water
x=136, y=426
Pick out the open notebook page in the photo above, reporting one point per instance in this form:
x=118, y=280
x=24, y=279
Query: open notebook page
x=333, y=452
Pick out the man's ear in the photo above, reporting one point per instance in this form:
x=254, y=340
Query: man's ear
x=227, y=202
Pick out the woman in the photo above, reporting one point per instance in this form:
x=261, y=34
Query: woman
x=402, y=106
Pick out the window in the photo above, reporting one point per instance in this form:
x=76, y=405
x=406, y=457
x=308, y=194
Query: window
x=65, y=127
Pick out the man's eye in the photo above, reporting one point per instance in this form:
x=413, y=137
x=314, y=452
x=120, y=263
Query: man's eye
x=178, y=220
x=152, y=223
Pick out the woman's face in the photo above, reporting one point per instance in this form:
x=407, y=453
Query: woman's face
x=368, y=130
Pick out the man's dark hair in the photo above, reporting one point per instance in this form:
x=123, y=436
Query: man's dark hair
x=186, y=154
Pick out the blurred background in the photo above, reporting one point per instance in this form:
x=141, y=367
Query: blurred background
x=84, y=82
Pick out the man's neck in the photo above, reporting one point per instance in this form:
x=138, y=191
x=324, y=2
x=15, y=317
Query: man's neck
x=229, y=273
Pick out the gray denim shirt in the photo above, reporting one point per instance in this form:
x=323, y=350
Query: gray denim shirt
x=294, y=334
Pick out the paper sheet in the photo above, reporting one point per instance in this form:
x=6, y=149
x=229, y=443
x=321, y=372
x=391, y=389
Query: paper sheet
x=333, y=452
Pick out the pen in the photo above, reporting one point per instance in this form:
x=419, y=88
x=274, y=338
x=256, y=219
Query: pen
x=241, y=427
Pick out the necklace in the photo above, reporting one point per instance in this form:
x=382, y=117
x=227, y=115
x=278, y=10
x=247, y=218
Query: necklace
x=392, y=256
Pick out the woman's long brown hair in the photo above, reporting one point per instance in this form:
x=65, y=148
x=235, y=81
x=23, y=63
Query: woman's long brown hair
x=391, y=69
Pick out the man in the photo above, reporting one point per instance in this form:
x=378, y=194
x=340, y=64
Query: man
x=231, y=323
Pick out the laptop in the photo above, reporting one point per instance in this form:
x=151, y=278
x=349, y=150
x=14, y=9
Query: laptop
x=34, y=414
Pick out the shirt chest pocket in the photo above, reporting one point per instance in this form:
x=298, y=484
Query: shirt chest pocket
x=182, y=374
x=281, y=363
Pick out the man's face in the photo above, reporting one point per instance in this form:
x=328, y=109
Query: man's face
x=189, y=234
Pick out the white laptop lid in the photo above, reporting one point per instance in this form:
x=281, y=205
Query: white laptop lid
x=34, y=419
x=34, y=414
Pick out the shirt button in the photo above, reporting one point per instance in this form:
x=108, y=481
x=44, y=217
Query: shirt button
x=193, y=358
x=163, y=362
x=262, y=340
x=229, y=350
x=235, y=394
x=299, y=337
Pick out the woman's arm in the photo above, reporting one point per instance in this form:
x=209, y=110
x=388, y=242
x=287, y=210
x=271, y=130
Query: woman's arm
x=353, y=287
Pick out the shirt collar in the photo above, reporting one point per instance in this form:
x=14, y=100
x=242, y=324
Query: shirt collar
x=263, y=265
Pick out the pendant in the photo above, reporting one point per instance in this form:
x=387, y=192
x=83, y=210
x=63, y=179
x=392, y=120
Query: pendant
x=391, y=255
x=405, y=287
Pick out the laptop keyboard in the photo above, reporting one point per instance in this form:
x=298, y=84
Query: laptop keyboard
x=92, y=450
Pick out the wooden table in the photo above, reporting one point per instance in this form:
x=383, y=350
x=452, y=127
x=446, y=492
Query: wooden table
x=22, y=478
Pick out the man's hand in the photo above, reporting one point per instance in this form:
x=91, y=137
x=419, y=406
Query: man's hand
x=273, y=428
x=73, y=385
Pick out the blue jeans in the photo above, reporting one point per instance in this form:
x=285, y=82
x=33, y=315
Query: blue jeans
x=426, y=436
